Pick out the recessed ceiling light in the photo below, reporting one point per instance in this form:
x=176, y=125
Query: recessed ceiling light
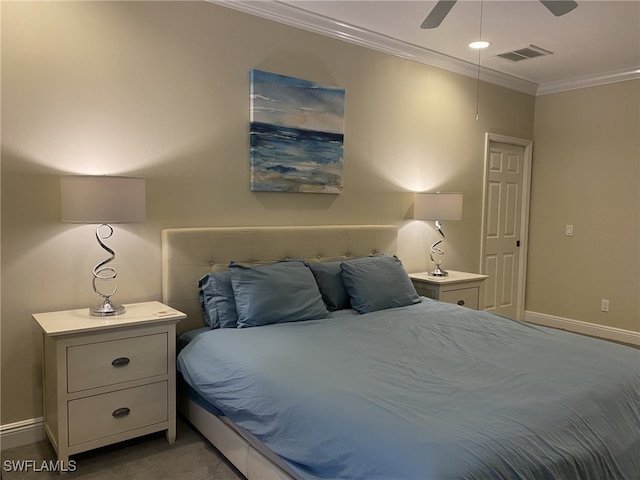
x=479, y=44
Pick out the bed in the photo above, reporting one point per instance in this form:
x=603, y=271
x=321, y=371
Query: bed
x=394, y=386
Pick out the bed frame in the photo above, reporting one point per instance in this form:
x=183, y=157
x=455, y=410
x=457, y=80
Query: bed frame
x=190, y=253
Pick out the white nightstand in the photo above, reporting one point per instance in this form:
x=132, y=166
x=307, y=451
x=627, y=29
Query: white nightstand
x=108, y=379
x=466, y=289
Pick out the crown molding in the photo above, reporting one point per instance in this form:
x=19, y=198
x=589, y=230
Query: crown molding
x=290, y=15
x=296, y=17
x=589, y=81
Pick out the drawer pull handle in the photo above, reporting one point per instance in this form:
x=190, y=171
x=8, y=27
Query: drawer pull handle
x=461, y=303
x=121, y=412
x=120, y=362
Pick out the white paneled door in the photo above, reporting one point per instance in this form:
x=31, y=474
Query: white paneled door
x=504, y=226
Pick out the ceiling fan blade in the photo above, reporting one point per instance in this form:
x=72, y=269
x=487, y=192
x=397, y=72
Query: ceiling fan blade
x=437, y=15
x=559, y=7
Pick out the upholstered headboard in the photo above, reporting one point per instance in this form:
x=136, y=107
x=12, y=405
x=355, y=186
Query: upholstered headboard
x=190, y=253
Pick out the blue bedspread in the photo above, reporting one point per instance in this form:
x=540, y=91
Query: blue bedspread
x=430, y=391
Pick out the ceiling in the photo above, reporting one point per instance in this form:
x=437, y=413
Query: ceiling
x=597, y=43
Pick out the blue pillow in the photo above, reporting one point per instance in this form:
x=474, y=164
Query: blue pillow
x=276, y=293
x=207, y=304
x=329, y=278
x=376, y=283
x=217, y=300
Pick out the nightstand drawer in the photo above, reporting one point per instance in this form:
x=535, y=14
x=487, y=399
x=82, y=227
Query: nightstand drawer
x=459, y=288
x=107, y=363
x=467, y=297
x=100, y=416
x=425, y=291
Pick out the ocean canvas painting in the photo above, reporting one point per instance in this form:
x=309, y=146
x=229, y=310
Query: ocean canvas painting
x=297, y=135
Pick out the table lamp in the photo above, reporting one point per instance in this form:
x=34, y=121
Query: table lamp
x=103, y=200
x=438, y=207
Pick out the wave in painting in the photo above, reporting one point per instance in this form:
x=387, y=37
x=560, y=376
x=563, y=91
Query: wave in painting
x=289, y=159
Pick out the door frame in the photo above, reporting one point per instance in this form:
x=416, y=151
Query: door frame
x=524, y=212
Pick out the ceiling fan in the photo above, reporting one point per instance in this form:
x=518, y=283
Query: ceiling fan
x=442, y=8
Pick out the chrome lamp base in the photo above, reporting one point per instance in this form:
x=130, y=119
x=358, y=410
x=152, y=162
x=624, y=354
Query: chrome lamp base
x=102, y=272
x=438, y=272
x=106, y=309
x=436, y=253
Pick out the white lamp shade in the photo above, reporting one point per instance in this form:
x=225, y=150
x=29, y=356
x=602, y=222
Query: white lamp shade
x=102, y=199
x=437, y=206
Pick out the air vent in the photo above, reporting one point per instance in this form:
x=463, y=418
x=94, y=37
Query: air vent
x=524, y=53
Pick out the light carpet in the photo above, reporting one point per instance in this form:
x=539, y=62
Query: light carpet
x=150, y=457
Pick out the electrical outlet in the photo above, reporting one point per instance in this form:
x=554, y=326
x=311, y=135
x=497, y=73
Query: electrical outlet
x=604, y=305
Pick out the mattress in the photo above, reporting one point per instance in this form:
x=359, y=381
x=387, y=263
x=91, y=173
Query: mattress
x=427, y=391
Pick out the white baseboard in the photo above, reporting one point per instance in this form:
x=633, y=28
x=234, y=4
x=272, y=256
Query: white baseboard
x=21, y=433
x=577, y=326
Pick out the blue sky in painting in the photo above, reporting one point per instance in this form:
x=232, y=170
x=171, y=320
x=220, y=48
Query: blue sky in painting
x=292, y=102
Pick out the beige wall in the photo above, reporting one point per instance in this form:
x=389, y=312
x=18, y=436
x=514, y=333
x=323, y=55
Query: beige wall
x=161, y=90
x=586, y=172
